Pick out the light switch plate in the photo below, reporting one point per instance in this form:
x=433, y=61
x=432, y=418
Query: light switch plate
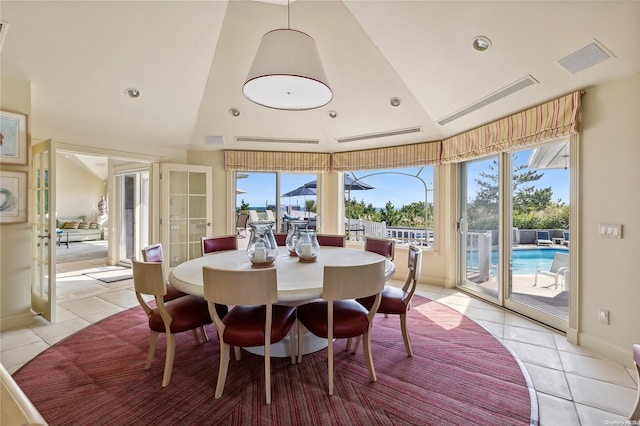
x=609, y=230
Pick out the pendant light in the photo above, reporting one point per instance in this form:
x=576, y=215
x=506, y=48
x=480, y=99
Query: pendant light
x=287, y=73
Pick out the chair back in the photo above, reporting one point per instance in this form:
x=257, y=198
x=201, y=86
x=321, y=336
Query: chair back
x=152, y=253
x=415, y=260
x=565, y=235
x=353, y=282
x=248, y=287
x=281, y=239
x=241, y=220
x=382, y=246
x=560, y=260
x=148, y=278
x=253, y=216
x=331, y=240
x=270, y=216
x=213, y=244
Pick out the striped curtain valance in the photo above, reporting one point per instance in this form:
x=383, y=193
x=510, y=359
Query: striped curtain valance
x=418, y=154
x=270, y=161
x=551, y=120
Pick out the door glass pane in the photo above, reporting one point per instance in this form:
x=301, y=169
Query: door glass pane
x=539, y=257
x=479, y=226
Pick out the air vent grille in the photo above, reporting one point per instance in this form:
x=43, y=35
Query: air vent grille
x=276, y=140
x=381, y=134
x=504, y=92
x=583, y=58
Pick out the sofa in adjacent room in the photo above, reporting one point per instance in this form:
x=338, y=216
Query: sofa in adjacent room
x=80, y=229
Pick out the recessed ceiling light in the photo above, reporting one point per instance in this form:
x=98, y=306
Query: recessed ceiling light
x=481, y=43
x=395, y=101
x=332, y=114
x=234, y=112
x=132, y=92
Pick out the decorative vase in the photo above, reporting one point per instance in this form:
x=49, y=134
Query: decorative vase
x=292, y=238
x=262, y=249
x=307, y=247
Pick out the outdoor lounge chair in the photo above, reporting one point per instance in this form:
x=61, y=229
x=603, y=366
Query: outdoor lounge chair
x=241, y=224
x=565, y=238
x=559, y=269
x=542, y=238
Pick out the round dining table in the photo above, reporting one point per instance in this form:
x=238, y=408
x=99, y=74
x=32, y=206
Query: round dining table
x=298, y=282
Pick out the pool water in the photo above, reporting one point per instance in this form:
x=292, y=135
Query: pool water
x=524, y=261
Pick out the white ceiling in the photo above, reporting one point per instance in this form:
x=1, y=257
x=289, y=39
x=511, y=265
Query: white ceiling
x=189, y=60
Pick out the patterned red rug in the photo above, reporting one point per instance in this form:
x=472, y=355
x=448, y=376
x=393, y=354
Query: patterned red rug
x=459, y=375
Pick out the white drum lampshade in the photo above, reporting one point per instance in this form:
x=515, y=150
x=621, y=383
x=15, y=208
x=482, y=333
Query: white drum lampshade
x=287, y=73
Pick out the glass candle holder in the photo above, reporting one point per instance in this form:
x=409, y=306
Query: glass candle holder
x=307, y=247
x=292, y=238
x=262, y=249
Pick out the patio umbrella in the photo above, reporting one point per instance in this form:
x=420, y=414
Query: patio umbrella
x=349, y=183
x=301, y=191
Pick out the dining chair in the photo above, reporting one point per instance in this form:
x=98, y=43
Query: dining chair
x=255, y=319
x=382, y=246
x=397, y=300
x=331, y=240
x=339, y=315
x=213, y=244
x=635, y=414
x=281, y=239
x=241, y=224
x=153, y=253
x=187, y=313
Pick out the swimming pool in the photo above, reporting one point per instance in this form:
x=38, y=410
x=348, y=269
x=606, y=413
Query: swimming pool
x=525, y=260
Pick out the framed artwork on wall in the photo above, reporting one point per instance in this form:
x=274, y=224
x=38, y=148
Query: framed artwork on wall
x=13, y=197
x=13, y=138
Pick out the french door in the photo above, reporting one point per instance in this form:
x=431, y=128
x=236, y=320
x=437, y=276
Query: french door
x=514, y=228
x=43, y=222
x=134, y=197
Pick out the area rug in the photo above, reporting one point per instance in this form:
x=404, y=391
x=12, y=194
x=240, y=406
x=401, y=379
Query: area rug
x=459, y=375
x=81, y=250
x=113, y=275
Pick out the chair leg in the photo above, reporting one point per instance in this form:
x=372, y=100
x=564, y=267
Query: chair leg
x=152, y=349
x=355, y=346
x=405, y=334
x=237, y=353
x=292, y=345
x=224, y=367
x=205, y=336
x=267, y=372
x=330, y=361
x=348, y=346
x=168, y=363
x=196, y=339
x=300, y=342
x=367, y=356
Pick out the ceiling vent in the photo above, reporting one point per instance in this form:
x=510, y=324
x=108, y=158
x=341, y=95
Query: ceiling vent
x=504, y=92
x=381, y=135
x=276, y=140
x=586, y=57
x=214, y=140
x=4, y=26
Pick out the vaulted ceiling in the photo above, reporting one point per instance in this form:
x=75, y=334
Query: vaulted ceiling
x=189, y=60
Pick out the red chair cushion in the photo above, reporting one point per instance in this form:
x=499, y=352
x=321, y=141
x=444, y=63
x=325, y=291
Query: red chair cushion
x=172, y=293
x=349, y=318
x=391, y=302
x=244, y=325
x=188, y=312
x=220, y=244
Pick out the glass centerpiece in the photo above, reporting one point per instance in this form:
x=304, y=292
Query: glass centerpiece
x=292, y=237
x=262, y=249
x=307, y=247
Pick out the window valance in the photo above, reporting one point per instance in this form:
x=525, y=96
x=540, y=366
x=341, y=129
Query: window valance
x=551, y=120
x=270, y=161
x=418, y=154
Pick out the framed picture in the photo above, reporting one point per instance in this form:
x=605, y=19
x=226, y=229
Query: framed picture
x=13, y=197
x=13, y=138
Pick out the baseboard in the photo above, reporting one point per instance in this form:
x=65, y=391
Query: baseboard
x=622, y=356
x=24, y=319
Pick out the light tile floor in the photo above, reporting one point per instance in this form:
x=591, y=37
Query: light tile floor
x=574, y=386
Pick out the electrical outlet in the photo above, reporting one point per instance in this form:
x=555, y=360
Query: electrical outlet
x=604, y=317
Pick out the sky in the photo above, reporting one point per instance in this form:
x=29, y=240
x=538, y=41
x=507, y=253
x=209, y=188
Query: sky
x=397, y=188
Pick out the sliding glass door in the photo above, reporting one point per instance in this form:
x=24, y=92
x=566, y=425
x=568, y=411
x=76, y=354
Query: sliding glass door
x=133, y=190
x=514, y=236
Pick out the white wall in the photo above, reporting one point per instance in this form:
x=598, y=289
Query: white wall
x=15, y=238
x=78, y=190
x=609, y=178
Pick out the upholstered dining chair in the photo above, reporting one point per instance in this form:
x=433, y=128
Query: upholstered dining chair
x=397, y=300
x=281, y=239
x=382, y=246
x=187, y=313
x=213, y=244
x=339, y=315
x=255, y=319
x=331, y=240
x=153, y=253
x=635, y=414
